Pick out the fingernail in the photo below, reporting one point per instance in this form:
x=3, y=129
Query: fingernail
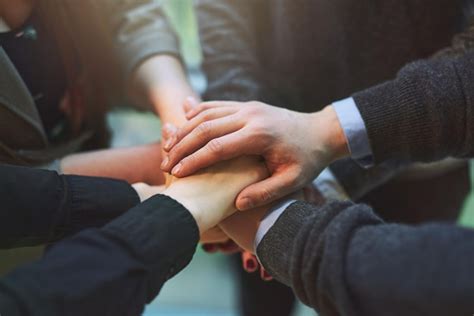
x=264, y=275
x=192, y=101
x=245, y=204
x=165, y=162
x=168, y=144
x=250, y=265
x=176, y=169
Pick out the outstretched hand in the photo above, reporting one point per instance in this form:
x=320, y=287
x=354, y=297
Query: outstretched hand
x=209, y=195
x=295, y=146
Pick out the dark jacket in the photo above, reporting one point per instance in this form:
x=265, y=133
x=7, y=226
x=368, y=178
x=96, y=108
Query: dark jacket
x=117, y=262
x=305, y=54
x=140, y=30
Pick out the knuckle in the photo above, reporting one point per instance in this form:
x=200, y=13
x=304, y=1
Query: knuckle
x=266, y=195
x=204, y=129
x=215, y=146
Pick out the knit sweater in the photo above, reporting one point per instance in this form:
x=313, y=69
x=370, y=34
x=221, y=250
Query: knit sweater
x=341, y=259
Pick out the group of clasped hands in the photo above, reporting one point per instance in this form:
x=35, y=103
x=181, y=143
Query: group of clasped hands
x=193, y=156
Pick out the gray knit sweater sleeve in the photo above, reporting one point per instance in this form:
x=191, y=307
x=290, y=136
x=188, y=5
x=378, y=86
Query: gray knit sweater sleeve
x=424, y=114
x=341, y=259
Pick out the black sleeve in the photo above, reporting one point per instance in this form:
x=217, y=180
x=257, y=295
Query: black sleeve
x=114, y=270
x=229, y=45
x=427, y=112
x=341, y=259
x=40, y=206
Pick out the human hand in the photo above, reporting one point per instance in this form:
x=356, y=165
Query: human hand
x=295, y=146
x=146, y=191
x=209, y=195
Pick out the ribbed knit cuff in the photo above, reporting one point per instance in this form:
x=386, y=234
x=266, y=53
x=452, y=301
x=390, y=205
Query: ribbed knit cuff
x=93, y=202
x=163, y=216
x=284, y=243
x=408, y=118
x=274, y=251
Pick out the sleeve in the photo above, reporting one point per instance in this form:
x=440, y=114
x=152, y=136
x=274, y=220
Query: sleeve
x=229, y=45
x=426, y=112
x=341, y=259
x=141, y=30
x=40, y=206
x=354, y=130
x=114, y=270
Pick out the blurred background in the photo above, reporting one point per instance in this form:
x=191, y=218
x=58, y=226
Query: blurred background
x=207, y=286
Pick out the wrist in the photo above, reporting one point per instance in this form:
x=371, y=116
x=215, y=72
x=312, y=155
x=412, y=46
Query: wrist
x=328, y=130
x=189, y=205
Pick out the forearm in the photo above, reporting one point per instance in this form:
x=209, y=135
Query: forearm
x=345, y=260
x=127, y=263
x=132, y=164
x=425, y=114
x=161, y=84
x=41, y=206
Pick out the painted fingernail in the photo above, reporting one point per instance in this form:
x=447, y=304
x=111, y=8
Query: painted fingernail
x=176, y=169
x=165, y=162
x=245, y=204
x=250, y=263
x=264, y=275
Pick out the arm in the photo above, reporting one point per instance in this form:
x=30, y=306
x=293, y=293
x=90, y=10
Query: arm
x=426, y=111
x=40, y=206
x=117, y=269
x=227, y=33
x=345, y=261
x=132, y=164
x=148, y=50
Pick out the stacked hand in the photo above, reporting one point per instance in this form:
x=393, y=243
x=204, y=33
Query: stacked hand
x=295, y=146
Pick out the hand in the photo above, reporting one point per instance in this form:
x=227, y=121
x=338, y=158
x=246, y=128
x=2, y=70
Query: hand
x=210, y=194
x=132, y=164
x=242, y=227
x=295, y=146
x=146, y=191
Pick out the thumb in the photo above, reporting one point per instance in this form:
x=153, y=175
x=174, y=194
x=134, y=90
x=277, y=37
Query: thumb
x=269, y=190
x=168, y=131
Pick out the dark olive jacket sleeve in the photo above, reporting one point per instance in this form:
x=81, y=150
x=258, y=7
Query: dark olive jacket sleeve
x=341, y=259
x=40, y=206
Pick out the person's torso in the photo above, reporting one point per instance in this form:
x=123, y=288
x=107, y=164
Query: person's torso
x=317, y=51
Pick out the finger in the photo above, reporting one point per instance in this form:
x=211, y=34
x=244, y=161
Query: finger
x=264, y=275
x=205, y=133
x=214, y=235
x=208, y=105
x=196, y=122
x=249, y=262
x=210, y=248
x=269, y=190
x=228, y=247
x=168, y=131
x=219, y=149
x=189, y=104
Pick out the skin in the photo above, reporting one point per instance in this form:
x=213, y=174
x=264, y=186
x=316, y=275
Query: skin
x=296, y=146
x=202, y=193
x=15, y=13
x=158, y=84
